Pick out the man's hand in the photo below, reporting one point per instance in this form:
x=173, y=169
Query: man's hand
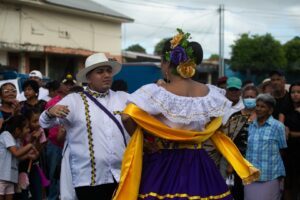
x=60, y=111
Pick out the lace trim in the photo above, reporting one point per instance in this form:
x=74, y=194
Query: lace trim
x=186, y=109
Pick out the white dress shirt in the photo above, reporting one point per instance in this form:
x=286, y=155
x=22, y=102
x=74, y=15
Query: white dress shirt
x=105, y=147
x=233, y=109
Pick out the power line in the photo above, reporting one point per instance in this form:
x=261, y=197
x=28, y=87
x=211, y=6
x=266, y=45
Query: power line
x=161, y=5
x=264, y=13
x=179, y=6
x=205, y=32
x=261, y=24
x=172, y=28
x=162, y=26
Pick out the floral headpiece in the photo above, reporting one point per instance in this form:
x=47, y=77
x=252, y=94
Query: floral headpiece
x=181, y=55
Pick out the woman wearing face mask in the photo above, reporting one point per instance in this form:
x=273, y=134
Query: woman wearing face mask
x=237, y=129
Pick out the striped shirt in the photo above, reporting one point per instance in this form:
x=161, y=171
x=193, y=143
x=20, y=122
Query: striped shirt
x=264, y=143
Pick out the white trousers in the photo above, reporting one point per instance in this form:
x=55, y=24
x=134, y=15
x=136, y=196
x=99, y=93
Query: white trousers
x=67, y=191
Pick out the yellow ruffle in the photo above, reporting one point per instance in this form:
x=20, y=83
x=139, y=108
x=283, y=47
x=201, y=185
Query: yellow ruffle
x=132, y=162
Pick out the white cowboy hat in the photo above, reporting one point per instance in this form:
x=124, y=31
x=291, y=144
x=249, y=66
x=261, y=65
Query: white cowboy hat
x=94, y=61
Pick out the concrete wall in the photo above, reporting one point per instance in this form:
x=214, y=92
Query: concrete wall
x=39, y=27
x=3, y=58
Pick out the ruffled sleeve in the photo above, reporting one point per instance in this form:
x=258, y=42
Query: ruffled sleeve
x=179, y=109
x=142, y=98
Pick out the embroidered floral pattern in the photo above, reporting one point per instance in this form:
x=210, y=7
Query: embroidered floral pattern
x=90, y=138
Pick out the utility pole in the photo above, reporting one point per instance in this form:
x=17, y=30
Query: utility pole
x=221, y=41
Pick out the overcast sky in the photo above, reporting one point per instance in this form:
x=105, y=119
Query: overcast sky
x=157, y=19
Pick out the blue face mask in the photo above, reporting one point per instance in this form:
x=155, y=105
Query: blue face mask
x=249, y=102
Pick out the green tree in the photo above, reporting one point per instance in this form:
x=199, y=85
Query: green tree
x=214, y=57
x=292, y=54
x=257, y=54
x=159, y=46
x=136, y=48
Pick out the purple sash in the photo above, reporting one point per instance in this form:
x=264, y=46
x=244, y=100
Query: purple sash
x=108, y=113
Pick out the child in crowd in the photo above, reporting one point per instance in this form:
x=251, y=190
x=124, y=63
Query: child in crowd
x=15, y=129
x=37, y=134
x=38, y=138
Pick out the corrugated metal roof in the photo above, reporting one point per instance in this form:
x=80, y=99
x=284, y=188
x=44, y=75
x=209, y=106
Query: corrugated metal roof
x=90, y=6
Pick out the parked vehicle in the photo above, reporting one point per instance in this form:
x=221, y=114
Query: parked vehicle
x=16, y=78
x=12, y=77
x=139, y=74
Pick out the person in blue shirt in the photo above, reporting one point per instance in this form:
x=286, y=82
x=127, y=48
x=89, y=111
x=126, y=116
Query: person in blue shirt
x=265, y=140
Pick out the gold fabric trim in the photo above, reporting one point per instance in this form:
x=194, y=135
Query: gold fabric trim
x=90, y=138
x=97, y=94
x=185, y=196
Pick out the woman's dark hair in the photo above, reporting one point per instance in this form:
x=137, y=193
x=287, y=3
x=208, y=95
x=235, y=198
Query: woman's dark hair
x=293, y=85
x=52, y=85
x=5, y=84
x=33, y=84
x=14, y=122
x=197, y=51
x=166, y=48
x=250, y=87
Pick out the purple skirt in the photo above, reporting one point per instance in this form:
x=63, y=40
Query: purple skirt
x=180, y=174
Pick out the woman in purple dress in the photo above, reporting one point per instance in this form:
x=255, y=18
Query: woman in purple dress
x=170, y=121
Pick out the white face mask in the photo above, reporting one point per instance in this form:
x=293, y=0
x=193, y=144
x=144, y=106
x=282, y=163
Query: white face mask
x=249, y=102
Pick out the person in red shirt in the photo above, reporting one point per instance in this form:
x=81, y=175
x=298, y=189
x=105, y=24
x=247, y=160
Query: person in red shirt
x=54, y=146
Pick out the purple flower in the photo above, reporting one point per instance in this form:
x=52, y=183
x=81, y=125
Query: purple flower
x=178, y=55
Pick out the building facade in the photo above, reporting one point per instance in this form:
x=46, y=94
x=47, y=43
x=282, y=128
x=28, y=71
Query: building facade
x=55, y=36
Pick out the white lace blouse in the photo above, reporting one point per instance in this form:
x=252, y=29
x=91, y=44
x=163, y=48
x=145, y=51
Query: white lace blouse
x=188, y=113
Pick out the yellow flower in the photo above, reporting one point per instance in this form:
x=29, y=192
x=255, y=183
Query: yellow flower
x=186, y=69
x=176, y=40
